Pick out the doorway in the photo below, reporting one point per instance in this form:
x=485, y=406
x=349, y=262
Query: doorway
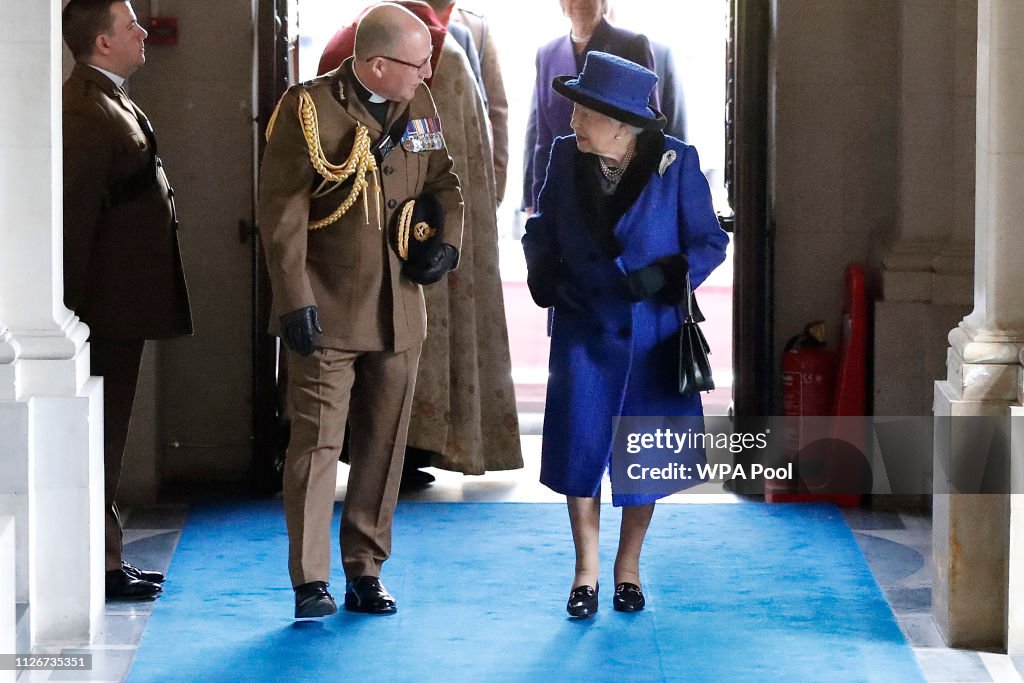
x=695, y=31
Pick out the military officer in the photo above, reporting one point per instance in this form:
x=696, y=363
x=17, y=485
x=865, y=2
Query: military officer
x=122, y=265
x=345, y=152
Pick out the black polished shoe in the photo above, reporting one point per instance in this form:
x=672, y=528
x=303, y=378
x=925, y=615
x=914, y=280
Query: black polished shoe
x=414, y=479
x=312, y=600
x=368, y=595
x=120, y=585
x=628, y=598
x=582, y=601
x=145, y=574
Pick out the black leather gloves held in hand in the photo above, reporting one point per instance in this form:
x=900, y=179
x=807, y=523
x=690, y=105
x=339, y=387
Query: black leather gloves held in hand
x=665, y=277
x=433, y=265
x=298, y=329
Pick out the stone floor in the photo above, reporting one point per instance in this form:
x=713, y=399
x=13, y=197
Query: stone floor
x=897, y=545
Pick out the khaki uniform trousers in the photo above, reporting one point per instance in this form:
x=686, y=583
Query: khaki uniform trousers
x=117, y=361
x=372, y=391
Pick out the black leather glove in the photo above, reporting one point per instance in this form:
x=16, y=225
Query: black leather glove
x=644, y=283
x=665, y=277
x=298, y=329
x=542, y=278
x=433, y=265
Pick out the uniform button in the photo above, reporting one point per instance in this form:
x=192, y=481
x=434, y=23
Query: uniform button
x=624, y=332
x=388, y=170
x=392, y=203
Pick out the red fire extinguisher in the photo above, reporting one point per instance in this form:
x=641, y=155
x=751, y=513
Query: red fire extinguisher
x=808, y=374
x=808, y=394
x=817, y=382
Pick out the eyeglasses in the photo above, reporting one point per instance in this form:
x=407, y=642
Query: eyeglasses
x=401, y=61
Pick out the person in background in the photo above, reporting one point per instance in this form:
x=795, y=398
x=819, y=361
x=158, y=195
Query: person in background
x=495, y=97
x=464, y=411
x=349, y=306
x=550, y=114
x=122, y=264
x=624, y=215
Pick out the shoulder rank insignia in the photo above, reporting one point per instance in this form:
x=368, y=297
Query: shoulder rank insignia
x=423, y=135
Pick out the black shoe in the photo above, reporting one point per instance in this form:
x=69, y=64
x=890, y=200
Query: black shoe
x=145, y=574
x=582, y=601
x=414, y=480
x=368, y=595
x=313, y=600
x=628, y=598
x=121, y=585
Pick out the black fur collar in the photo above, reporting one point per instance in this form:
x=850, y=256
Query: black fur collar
x=650, y=145
x=601, y=213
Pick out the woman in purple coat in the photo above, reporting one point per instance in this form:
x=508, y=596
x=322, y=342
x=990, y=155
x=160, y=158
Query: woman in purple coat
x=624, y=214
x=549, y=113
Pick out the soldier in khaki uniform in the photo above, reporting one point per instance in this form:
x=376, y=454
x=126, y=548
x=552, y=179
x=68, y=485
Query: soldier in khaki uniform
x=344, y=152
x=122, y=264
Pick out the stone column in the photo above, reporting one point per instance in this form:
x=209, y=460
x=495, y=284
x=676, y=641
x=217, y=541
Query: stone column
x=51, y=454
x=8, y=636
x=926, y=271
x=971, y=533
x=1015, y=565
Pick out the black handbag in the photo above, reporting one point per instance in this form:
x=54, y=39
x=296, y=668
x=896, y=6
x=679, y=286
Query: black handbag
x=694, y=367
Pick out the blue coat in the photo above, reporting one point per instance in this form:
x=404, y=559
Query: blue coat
x=615, y=357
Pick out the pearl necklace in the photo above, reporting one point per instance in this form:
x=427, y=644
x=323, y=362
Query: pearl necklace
x=614, y=175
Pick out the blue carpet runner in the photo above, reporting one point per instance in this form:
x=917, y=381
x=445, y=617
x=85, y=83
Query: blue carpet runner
x=734, y=592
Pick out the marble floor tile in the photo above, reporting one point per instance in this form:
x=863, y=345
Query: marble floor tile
x=121, y=629
x=953, y=665
x=863, y=519
x=909, y=600
x=107, y=665
x=890, y=561
x=920, y=630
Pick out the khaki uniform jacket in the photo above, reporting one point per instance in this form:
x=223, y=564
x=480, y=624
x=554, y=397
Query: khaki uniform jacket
x=347, y=269
x=122, y=263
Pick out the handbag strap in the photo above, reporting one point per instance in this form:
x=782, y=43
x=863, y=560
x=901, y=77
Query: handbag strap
x=688, y=297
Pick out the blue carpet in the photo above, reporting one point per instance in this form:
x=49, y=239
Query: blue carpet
x=735, y=593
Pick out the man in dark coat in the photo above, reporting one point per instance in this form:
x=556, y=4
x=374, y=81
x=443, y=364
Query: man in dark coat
x=122, y=264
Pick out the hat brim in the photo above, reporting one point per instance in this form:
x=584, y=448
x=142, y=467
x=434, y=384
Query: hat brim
x=656, y=121
x=428, y=212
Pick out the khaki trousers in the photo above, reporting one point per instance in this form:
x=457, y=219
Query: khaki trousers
x=117, y=362
x=372, y=391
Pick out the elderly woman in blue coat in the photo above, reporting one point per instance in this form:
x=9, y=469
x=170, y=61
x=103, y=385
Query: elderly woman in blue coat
x=624, y=214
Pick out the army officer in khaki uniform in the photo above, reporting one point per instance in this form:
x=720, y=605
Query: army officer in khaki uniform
x=122, y=264
x=345, y=151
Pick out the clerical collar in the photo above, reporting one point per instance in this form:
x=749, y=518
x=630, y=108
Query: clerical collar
x=118, y=80
x=364, y=93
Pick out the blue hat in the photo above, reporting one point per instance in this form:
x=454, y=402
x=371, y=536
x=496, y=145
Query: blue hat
x=615, y=87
